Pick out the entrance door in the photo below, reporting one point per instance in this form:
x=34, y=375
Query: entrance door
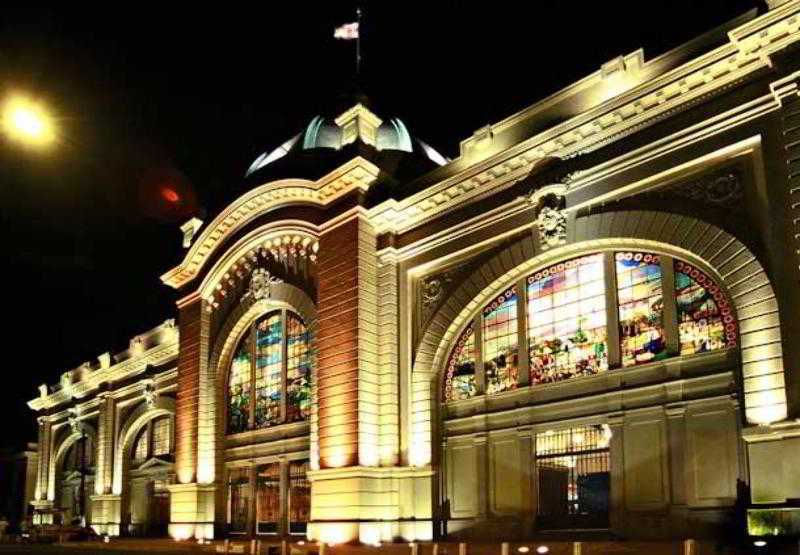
x=573, y=472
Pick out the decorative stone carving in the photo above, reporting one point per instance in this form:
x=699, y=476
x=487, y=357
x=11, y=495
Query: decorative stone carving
x=721, y=189
x=551, y=221
x=261, y=282
x=73, y=421
x=150, y=396
x=433, y=289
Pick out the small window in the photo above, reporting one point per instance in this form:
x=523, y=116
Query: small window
x=705, y=321
x=460, y=382
x=641, y=308
x=161, y=432
x=500, y=353
x=299, y=497
x=238, y=500
x=268, y=498
x=140, y=450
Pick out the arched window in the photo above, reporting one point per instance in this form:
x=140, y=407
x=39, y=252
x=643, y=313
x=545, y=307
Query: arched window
x=587, y=315
x=154, y=440
x=80, y=455
x=272, y=360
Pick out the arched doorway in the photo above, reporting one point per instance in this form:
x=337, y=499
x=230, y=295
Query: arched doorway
x=144, y=467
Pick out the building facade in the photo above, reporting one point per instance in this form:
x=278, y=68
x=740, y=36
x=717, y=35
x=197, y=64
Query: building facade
x=584, y=321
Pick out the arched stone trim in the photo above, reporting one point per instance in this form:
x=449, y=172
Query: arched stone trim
x=725, y=258
x=60, y=449
x=358, y=173
x=212, y=381
x=297, y=229
x=141, y=415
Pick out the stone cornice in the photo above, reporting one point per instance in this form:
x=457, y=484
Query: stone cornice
x=748, y=51
x=357, y=174
x=157, y=355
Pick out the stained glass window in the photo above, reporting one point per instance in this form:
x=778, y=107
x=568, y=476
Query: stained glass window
x=268, y=498
x=641, y=307
x=705, y=321
x=299, y=497
x=161, y=437
x=274, y=354
x=239, y=389
x=500, y=353
x=140, y=451
x=269, y=367
x=568, y=317
x=298, y=369
x=460, y=381
x=567, y=320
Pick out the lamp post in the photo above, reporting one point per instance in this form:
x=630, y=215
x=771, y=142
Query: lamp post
x=27, y=121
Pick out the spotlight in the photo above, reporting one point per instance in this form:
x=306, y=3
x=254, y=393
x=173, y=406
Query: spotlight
x=523, y=549
x=542, y=549
x=760, y=543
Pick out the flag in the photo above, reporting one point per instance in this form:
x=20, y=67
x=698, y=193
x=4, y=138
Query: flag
x=348, y=31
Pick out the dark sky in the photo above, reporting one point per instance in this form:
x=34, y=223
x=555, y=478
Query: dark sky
x=148, y=96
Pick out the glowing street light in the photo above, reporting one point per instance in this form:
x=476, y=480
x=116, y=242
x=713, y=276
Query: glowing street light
x=28, y=122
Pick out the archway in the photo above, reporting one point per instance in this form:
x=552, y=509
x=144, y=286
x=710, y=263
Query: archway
x=141, y=481
x=726, y=258
x=212, y=380
x=70, y=473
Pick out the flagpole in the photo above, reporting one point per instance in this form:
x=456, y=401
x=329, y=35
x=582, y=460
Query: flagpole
x=358, y=42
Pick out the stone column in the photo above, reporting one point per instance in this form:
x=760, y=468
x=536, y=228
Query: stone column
x=191, y=503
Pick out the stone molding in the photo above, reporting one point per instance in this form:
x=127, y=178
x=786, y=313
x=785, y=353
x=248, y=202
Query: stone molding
x=748, y=51
x=357, y=174
x=156, y=355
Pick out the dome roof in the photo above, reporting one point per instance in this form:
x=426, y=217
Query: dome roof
x=357, y=124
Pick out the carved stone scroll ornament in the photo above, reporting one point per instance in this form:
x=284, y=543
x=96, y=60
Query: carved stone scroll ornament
x=261, y=282
x=551, y=221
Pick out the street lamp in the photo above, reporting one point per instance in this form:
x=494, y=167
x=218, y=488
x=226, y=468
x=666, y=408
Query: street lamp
x=27, y=121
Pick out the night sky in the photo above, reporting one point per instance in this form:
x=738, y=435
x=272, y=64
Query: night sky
x=149, y=97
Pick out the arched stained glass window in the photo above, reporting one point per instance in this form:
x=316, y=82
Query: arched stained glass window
x=705, y=321
x=239, y=388
x=269, y=369
x=298, y=369
x=567, y=320
x=641, y=307
x=500, y=353
x=570, y=317
x=460, y=381
x=273, y=360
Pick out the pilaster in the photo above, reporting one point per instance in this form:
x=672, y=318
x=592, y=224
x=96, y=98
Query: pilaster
x=45, y=449
x=193, y=323
x=105, y=444
x=192, y=504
